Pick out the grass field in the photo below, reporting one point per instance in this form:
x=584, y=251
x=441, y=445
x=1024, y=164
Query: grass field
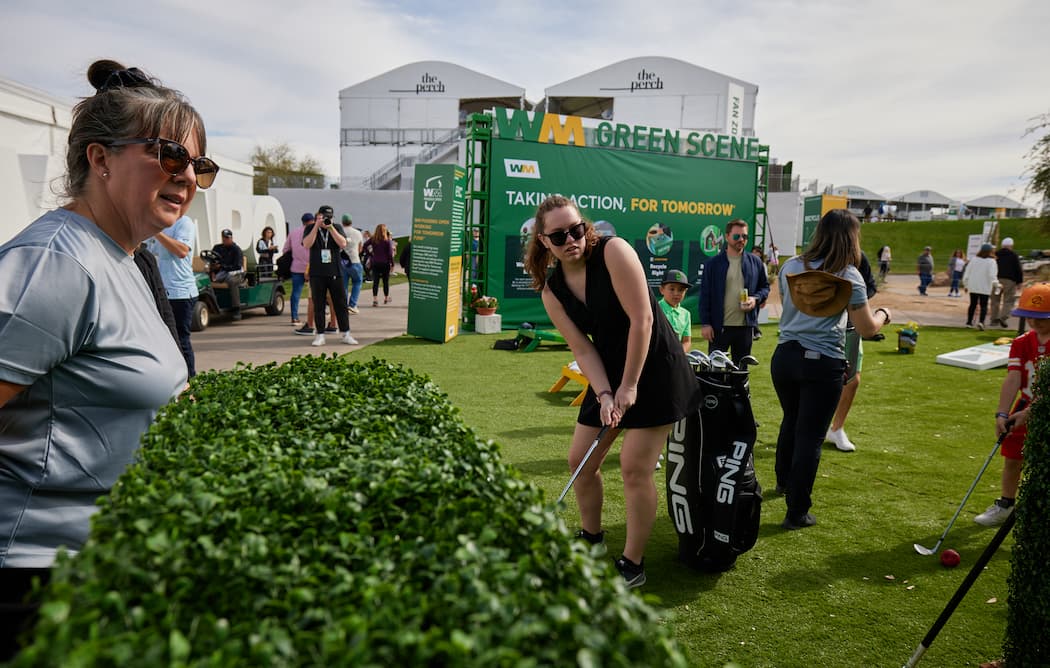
x=850, y=591
x=907, y=239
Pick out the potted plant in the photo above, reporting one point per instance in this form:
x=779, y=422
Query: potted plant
x=485, y=305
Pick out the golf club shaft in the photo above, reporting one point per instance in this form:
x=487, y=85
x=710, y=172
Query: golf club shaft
x=957, y=598
x=987, y=461
x=579, y=469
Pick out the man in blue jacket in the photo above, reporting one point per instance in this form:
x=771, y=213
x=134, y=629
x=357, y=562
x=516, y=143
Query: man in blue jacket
x=733, y=287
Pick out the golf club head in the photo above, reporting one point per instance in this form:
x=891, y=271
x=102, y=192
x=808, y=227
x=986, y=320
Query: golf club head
x=748, y=360
x=924, y=551
x=723, y=360
x=699, y=360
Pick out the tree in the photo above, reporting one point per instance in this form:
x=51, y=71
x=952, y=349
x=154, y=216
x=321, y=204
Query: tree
x=278, y=165
x=1038, y=169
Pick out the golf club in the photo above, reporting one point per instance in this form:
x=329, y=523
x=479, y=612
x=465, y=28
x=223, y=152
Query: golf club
x=971, y=577
x=927, y=551
x=727, y=362
x=590, y=450
x=748, y=360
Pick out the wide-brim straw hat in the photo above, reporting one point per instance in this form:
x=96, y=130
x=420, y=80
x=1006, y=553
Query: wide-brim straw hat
x=818, y=293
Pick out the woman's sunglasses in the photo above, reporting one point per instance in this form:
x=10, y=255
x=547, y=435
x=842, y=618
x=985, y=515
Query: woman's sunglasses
x=174, y=157
x=561, y=236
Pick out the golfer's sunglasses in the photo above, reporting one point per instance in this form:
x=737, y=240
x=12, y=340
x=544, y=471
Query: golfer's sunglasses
x=174, y=157
x=561, y=236
x=737, y=236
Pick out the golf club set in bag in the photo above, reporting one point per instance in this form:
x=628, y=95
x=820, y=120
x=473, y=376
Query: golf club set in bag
x=713, y=496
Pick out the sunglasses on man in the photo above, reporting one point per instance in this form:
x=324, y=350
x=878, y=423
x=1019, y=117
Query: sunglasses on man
x=736, y=236
x=561, y=236
x=174, y=157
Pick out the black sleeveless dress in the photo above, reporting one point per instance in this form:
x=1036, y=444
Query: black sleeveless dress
x=667, y=388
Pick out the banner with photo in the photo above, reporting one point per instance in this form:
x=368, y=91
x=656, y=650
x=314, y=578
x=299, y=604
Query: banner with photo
x=672, y=209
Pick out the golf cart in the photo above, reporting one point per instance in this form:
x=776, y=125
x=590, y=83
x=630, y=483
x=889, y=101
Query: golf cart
x=261, y=288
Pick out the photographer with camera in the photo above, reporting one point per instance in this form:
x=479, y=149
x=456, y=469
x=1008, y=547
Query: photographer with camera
x=229, y=269
x=325, y=239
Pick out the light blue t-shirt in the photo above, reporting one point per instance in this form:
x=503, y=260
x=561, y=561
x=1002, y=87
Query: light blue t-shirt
x=80, y=329
x=176, y=272
x=825, y=335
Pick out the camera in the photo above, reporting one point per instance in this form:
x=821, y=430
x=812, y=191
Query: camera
x=327, y=218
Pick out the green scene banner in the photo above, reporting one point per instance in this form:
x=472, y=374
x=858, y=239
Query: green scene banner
x=438, y=207
x=672, y=209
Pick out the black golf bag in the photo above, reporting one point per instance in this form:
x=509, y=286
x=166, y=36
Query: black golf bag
x=713, y=496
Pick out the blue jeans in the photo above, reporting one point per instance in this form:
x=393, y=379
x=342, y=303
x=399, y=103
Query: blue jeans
x=298, y=281
x=182, y=309
x=353, y=276
x=924, y=281
x=956, y=277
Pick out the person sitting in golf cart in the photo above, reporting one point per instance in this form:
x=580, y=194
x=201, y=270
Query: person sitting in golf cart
x=229, y=269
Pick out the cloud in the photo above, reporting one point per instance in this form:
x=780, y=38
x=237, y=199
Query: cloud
x=894, y=96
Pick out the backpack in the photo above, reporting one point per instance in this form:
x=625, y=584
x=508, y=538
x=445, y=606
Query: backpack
x=713, y=496
x=283, y=267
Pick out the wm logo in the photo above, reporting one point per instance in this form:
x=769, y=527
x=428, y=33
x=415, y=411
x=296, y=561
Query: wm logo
x=522, y=169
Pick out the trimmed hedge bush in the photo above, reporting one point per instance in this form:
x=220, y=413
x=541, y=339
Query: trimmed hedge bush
x=1027, y=642
x=325, y=513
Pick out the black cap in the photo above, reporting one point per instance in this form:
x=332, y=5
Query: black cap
x=227, y=234
x=326, y=211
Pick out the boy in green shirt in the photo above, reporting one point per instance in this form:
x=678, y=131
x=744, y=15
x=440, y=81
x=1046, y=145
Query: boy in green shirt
x=673, y=289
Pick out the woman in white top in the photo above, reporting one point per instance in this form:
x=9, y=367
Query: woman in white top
x=979, y=277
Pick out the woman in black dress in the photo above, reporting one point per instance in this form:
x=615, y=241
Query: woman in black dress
x=595, y=292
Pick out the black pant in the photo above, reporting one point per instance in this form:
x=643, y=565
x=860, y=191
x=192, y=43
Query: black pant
x=17, y=612
x=808, y=386
x=183, y=311
x=976, y=299
x=380, y=271
x=736, y=338
x=320, y=286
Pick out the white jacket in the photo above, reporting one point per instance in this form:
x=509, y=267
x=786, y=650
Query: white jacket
x=979, y=275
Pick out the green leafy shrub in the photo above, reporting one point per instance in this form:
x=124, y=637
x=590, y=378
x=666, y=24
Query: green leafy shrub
x=324, y=513
x=1027, y=642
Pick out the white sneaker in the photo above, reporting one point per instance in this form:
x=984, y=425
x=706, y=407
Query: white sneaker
x=353, y=309
x=994, y=516
x=349, y=340
x=318, y=340
x=840, y=440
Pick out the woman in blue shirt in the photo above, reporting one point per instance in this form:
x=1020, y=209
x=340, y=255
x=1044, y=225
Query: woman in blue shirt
x=809, y=363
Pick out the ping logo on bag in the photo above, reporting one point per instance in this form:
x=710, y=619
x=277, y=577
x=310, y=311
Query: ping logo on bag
x=677, y=496
x=730, y=466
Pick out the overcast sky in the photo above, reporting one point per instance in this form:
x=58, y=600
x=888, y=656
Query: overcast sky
x=894, y=96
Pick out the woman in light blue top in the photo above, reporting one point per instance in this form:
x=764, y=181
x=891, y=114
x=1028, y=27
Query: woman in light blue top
x=809, y=363
x=85, y=359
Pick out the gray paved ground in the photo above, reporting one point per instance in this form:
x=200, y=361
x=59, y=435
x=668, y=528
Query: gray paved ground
x=260, y=338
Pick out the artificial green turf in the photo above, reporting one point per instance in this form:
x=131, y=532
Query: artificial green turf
x=850, y=591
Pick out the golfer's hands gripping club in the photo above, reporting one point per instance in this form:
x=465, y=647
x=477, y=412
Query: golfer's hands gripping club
x=625, y=397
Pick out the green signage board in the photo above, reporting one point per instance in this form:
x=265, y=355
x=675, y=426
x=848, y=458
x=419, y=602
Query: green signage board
x=438, y=208
x=811, y=213
x=671, y=208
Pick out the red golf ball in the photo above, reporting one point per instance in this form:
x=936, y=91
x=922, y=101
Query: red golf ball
x=950, y=558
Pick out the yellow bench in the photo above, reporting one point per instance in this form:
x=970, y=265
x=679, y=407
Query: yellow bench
x=571, y=371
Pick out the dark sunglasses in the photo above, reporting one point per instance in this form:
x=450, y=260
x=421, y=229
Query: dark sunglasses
x=738, y=236
x=561, y=236
x=174, y=157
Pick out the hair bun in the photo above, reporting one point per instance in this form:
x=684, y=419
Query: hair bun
x=100, y=72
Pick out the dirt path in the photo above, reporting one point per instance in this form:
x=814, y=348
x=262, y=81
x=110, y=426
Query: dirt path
x=900, y=295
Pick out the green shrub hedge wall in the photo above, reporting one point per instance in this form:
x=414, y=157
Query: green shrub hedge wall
x=1027, y=642
x=326, y=513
